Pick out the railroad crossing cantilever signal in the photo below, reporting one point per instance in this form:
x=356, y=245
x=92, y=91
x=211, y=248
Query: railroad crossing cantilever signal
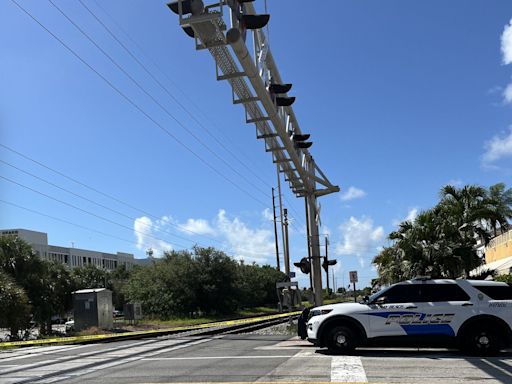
x=257, y=85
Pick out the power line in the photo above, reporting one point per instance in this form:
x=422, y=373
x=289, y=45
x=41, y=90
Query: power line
x=166, y=110
x=112, y=34
x=179, y=227
x=83, y=210
x=72, y=223
x=136, y=106
x=89, y=200
x=98, y=216
x=168, y=92
x=191, y=101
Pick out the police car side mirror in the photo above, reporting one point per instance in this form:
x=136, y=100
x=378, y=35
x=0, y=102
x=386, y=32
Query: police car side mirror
x=366, y=300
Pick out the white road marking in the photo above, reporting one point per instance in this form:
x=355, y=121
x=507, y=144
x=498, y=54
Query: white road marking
x=347, y=369
x=217, y=357
x=300, y=367
x=99, y=367
x=36, y=351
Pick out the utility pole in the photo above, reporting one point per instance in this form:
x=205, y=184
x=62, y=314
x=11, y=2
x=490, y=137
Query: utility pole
x=275, y=230
x=287, y=248
x=326, y=260
x=308, y=237
x=285, y=242
x=315, y=251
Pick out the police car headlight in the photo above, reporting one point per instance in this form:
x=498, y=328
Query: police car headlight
x=318, y=312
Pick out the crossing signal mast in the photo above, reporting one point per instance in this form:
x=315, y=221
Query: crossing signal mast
x=257, y=85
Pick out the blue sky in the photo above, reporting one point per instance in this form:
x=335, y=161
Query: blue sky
x=400, y=97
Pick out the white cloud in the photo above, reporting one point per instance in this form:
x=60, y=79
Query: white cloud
x=497, y=148
x=247, y=244
x=196, y=227
x=507, y=94
x=326, y=230
x=455, y=182
x=506, y=44
x=412, y=214
x=352, y=193
x=267, y=214
x=359, y=237
x=146, y=233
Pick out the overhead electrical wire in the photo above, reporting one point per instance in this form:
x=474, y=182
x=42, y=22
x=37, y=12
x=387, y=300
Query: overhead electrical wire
x=154, y=99
x=169, y=93
x=109, y=30
x=83, y=210
x=136, y=106
x=177, y=226
x=249, y=253
x=74, y=224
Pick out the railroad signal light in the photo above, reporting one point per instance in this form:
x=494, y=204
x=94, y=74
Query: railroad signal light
x=254, y=21
x=300, y=141
x=284, y=101
x=326, y=263
x=195, y=7
x=279, y=88
x=304, y=265
x=189, y=31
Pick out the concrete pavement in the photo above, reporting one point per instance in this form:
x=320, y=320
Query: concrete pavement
x=242, y=358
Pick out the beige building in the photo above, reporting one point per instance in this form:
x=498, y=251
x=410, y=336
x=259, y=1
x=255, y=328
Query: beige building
x=498, y=255
x=72, y=257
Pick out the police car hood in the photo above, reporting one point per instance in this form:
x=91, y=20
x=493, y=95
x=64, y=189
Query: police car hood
x=345, y=307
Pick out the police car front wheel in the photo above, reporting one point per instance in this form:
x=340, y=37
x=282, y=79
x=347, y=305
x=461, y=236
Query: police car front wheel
x=341, y=340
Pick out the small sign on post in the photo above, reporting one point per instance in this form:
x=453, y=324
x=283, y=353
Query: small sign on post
x=353, y=280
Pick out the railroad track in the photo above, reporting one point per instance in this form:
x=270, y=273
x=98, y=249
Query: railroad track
x=66, y=367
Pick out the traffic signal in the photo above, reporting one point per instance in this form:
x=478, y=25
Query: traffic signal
x=327, y=263
x=304, y=265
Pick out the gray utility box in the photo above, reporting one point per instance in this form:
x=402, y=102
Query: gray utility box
x=132, y=311
x=93, y=308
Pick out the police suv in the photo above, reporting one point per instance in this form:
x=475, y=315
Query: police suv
x=473, y=315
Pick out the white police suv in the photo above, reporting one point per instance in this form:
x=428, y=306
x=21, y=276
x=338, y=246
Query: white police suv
x=473, y=315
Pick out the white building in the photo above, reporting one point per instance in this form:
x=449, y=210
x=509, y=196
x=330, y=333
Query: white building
x=72, y=257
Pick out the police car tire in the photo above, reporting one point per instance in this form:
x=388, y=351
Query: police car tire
x=481, y=340
x=341, y=339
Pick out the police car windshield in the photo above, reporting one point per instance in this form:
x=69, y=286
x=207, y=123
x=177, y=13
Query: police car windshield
x=374, y=297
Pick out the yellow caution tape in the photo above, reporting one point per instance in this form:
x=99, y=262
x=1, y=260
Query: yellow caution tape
x=76, y=339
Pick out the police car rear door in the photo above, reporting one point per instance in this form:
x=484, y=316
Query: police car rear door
x=444, y=305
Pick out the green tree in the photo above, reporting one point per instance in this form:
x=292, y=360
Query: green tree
x=14, y=307
x=442, y=241
x=215, y=281
x=90, y=276
x=18, y=260
x=166, y=288
x=499, y=201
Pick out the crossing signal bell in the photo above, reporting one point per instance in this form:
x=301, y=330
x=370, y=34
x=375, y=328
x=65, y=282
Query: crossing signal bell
x=304, y=265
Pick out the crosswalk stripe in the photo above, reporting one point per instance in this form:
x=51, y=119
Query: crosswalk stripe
x=347, y=369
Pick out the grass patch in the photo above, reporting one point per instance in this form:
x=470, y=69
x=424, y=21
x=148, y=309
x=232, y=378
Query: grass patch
x=182, y=321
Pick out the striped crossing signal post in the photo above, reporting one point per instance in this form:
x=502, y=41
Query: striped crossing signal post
x=257, y=86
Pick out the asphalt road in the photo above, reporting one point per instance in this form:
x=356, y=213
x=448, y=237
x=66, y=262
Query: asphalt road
x=242, y=358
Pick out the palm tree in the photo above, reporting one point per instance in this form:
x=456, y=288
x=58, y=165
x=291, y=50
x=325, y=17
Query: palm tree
x=499, y=203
